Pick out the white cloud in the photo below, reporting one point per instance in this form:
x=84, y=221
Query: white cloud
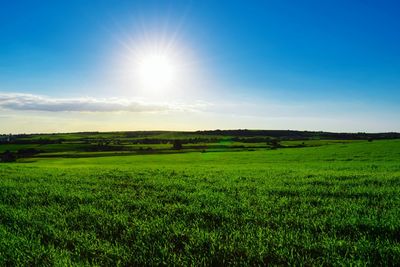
x=30, y=102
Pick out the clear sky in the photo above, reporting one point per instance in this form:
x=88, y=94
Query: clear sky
x=190, y=65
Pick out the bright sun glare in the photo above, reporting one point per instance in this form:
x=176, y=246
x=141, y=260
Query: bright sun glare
x=155, y=67
x=156, y=71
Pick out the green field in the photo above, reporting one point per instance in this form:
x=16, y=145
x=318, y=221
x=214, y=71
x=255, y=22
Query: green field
x=337, y=203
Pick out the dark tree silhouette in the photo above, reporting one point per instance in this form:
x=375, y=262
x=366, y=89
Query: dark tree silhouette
x=8, y=156
x=274, y=143
x=177, y=145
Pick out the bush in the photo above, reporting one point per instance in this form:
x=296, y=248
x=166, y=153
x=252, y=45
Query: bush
x=177, y=145
x=8, y=156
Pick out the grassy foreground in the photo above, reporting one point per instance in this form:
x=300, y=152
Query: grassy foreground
x=337, y=204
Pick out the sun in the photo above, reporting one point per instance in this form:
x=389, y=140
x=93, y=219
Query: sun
x=155, y=67
x=156, y=71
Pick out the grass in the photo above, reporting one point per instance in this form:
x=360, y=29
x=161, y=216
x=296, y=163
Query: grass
x=336, y=204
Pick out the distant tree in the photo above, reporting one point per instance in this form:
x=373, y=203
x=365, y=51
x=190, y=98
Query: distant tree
x=8, y=156
x=177, y=145
x=274, y=143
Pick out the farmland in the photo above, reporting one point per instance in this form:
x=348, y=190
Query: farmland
x=220, y=201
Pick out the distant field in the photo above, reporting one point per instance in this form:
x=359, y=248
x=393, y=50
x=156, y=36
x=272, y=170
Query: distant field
x=322, y=203
x=75, y=145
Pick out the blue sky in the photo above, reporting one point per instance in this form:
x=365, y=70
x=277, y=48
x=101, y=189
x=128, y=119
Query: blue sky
x=315, y=65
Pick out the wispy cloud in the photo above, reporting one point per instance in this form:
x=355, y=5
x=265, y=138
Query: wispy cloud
x=30, y=102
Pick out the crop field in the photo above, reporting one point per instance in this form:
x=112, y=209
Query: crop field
x=332, y=204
